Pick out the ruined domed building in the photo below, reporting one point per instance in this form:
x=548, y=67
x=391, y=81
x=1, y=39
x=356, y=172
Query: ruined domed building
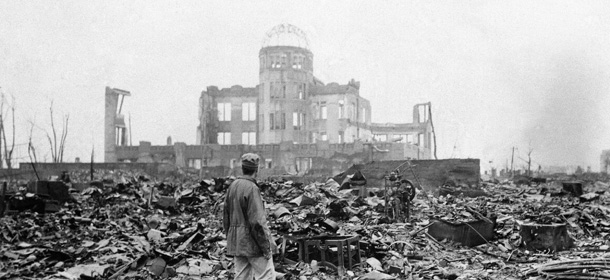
x=293, y=120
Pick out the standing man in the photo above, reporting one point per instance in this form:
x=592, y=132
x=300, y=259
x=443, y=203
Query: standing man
x=245, y=224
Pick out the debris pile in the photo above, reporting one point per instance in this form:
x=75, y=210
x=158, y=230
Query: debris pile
x=126, y=225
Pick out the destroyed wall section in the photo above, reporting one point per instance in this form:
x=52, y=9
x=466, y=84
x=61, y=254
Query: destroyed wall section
x=348, y=115
x=418, y=133
x=421, y=145
x=111, y=102
x=115, y=130
x=236, y=96
x=431, y=173
x=46, y=170
x=322, y=158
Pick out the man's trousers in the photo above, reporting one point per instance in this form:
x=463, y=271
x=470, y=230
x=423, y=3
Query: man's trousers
x=259, y=268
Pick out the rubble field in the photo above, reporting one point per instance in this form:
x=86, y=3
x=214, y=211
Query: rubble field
x=129, y=225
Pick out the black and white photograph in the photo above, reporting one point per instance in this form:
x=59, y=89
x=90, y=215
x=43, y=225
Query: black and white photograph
x=361, y=140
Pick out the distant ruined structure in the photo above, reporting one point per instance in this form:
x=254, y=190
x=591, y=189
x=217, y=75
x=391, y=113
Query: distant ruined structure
x=604, y=162
x=115, y=130
x=293, y=120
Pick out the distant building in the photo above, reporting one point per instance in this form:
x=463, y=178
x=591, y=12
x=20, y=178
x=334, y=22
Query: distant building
x=604, y=162
x=115, y=130
x=293, y=112
x=290, y=104
x=559, y=169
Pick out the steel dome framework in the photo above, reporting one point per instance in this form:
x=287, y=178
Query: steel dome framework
x=286, y=35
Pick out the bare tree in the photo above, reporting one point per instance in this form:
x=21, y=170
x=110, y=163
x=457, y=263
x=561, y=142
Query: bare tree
x=58, y=145
x=529, y=162
x=32, y=151
x=7, y=110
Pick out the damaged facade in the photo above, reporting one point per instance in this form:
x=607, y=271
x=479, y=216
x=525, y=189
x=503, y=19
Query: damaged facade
x=292, y=119
x=115, y=130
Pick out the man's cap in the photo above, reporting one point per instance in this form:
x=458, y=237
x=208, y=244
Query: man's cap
x=250, y=161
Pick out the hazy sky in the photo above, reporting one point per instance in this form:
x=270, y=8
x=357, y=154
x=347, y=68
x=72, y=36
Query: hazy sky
x=498, y=73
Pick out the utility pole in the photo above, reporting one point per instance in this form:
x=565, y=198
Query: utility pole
x=512, y=172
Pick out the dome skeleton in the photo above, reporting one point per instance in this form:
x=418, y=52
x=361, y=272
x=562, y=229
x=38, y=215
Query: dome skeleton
x=286, y=35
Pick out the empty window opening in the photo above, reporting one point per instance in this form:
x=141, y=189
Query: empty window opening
x=224, y=138
x=323, y=111
x=303, y=164
x=423, y=113
x=224, y=111
x=194, y=163
x=248, y=138
x=277, y=121
x=248, y=111
x=301, y=91
x=420, y=140
x=298, y=121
